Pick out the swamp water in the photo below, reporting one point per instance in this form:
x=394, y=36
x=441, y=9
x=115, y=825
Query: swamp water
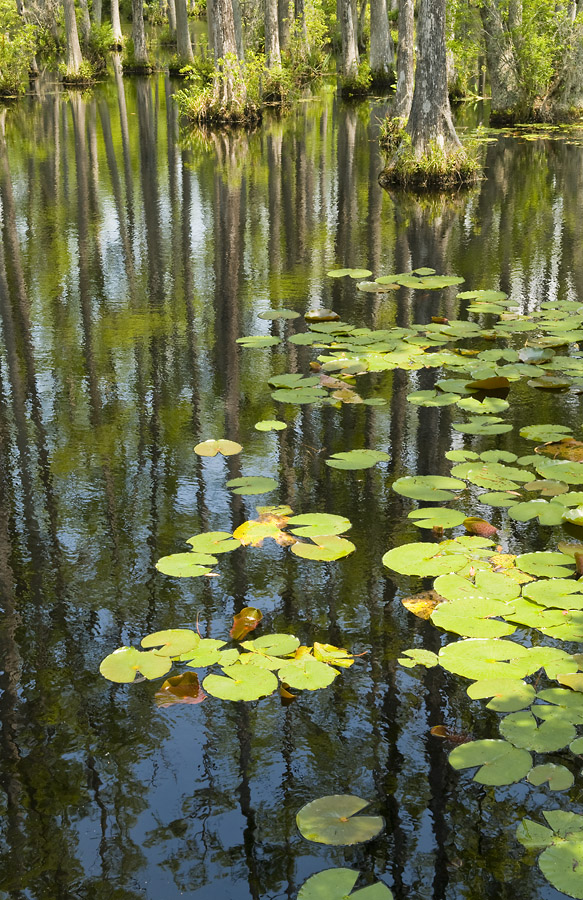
x=135, y=261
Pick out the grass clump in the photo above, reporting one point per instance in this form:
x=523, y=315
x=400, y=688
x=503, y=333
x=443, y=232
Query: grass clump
x=85, y=74
x=358, y=84
x=437, y=168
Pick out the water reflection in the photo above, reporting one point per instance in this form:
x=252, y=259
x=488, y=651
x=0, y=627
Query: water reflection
x=131, y=259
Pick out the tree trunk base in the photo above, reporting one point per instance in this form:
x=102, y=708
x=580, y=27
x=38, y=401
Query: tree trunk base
x=435, y=170
x=383, y=78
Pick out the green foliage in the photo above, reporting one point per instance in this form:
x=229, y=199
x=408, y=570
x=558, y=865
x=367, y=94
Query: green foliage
x=85, y=75
x=392, y=132
x=99, y=45
x=357, y=85
x=436, y=168
x=17, y=50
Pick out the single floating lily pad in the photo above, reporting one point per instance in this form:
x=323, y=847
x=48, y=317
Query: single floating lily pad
x=314, y=525
x=423, y=560
x=213, y=543
x=336, y=884
x=521, y=729
x=500, y=762
x=332, y=820
x=357, y=459
x=273, y=644
x=436, y=517
x=241, y=683
x=545, y=433
x=427, y=487
x=418, y=657
x=172, y=642
x=279, y=314
x=257, y=341
x=125, y=663
x=352, y=273
x=211, y=448
x=270, y=425
x=307, y=674
x=252, y=484
x=325, y=549
x=185, y=565
x=559, y=778
x=507, y=694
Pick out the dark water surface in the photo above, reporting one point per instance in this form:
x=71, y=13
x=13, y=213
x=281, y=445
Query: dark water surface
x=134, y=260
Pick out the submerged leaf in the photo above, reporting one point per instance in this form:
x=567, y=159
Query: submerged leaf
x=246, y=620
x=180, y=689
x=333, y=820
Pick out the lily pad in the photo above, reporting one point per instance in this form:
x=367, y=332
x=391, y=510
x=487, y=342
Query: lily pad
x=521, y=729
x=299, y=395
x=418, y=657
x=211, y=448
x=427, y=487
x=125, y=663
x=325, y=548
x=486, y=586
x=273, y=644
x=307, y=674
x=213, y=543
x=423, y=560
x=547, y=564
x=508, y=694
x=562, y=865
x=500, y=762
x=436, y=517
x=357, y=459
x=432, y=398
x=313, y=525
x=185, y=565
x=279, y=314
x=471, y=618
x=333, y=820
x=241, y=683
x=352, y=273
x=484, y=425
x=545, y=433
x=207, y=653
x=484, y=659
x=487, y=295
x=559, y=778
x=257, y=341
x=480, y=407
x=252, y=484
x=336, y=884
x=558, y=593
x=548, y=513
x=172, y=642
x=503, y=499
x=270, y=425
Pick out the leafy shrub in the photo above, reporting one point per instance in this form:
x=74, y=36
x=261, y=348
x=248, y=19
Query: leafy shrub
x=358, y=84
x=17, y=50
x=85, y=75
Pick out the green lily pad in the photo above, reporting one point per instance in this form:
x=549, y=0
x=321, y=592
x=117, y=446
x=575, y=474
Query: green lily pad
x=314, y=525
x=305, y=339
x=213, y=542
x=336, y=884
x=574, y=516
x=423, y=560
x=299, y=395
x=270, y=425
x=327, y=548
x=252, y=484
x=483, y=425
x=424, y=270
x=547, y=488
x=548, y=513
x=357, y=459
x=544, y=433
x=500, y=762
x=185, y=565
x=418, y=657
x=273, y=644
x=561, y=470
x=496, y=456
x=241, y=683
x=521, y=729
x=461, y=455
x=124, y=664
x=307, y=674
x=257, y=341
x=427, y=487
x=502, y=499
x=279, y=314
x=486, y=586
x=559, y=778
x=293, y=380
x=562, y=865
x=559, y=593
x=576, y=746
x=432, y=398
x=352, y=273
x=494, y=476
x=549, y=383
x=436, y=517
x=487, y=405
x=453, y=386
x=333, y=820
x=563, y=822
x=484, y=659
x=211, y=448
x=547, y=564
x=533, y=836
x=206, y=653
x=488, y=295
x=428, y=282
x=470, y=618
x=508, y=694
x=172, y=642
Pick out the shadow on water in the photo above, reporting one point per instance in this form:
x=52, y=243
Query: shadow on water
x=131, y=259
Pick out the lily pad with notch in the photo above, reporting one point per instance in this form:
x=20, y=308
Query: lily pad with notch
x=507, y=694
x=241, y=683
x=172, y=642
x=213, y=543
x=337, y=884
x=313, y=525
x=249, y=485
x=357, y=459
x=125, y=663
x=224, y=447
x=436, y=517
x=326, y=548
x=499, y=762
x=333, y=820
x=279, y=314
x=185, y=565
x=257, y=341
x=559, y=778
x=307, y=674
x=427, y=487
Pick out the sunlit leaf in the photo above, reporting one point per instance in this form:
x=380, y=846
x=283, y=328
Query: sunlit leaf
x=172, y=642
x=273, y=644
x=246, y=620
x=482, y=295
x=180, y=689
x=279, y=314
x=357, y=459
x=508, y=694
x=352, y=273
x=469, y=617
x=336, y=884
x=185, y=565
x=483, y=425
x=241, y=683
x=321, y=315
x=270, y=425
x=521, y=729
x=562, y=865
x=436, y=517
x=325, y=548
x=252, y=484
x=500, y=762
x=334, y=656
x=418, y=657
x=533, y=836
x=477, y=525
x=423, y=604
x=480, y=407
x=307, y=674
x=502, y=499
x=486, y=586
x=313, y=525
x=422, y=560
x=545, y=432
x=334, y=820
x=559, y=778
x=213, y=542
x=547, y=564
x=547, y=512
x=257, y=341
x=206, y=653
x=125, y=663
x=211, y=448
x=484, y=659
x=561, y=593
x=432, y=398
x=566, y=448
x=427, y=487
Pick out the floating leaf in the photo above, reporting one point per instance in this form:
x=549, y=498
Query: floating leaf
x=547, y=488
x=299, y=395
x=427, y=487
x=333, y=820
x=241, y=683
x=469, y=617
x=428, y=282
x=211, y=448
x=432, y=398
x=336, y=884
x=461, y=455
x=313, y=525
x=559, y=778
x=124, y=664
x=508, y=694
x=500, y=498
x=484, y=425
x=273, y=644
x=334, y=656
x=213, y=542
x=325, y=549
x=560, y=593
x=294, y=381
x=521, y=729
x=487, y=405
x=533, y=836
x=185, y=565
x=208, y=653
x=487, y=586
x=548, y=513
x=253, y=532
x=496, y=456
x=545, y=432
x=500, y=762
x=352, y=273
x=180, y=689
x=279, y=314
x=252, y=484
x=307, y=674
x=436, y=517
x=495, y=383
x=484, y=659
x=422, y=560
x=418, y=658
x=423, y=604
x=257, y=341
x=246, y=620
x=549, y=383
x=547, y=564
x=172, y=642
x=562, y=865
x=566, y=448
x=321, y=315
x=357, y=459
x=489, y=295
x=270, y=425
x=574, y=516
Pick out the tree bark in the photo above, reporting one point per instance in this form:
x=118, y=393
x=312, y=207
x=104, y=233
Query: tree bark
x=85, y=23
x=348, y=28
x=430, y=123
x=382, y=50
x=500, y=57
x=300, y=18
x=238, y=29
x=96, y=10
x=74, y=56
x=183, y=45
x=172, y=18
x=116, y=23
x=405, y=59
x=283, y=16
x=225, y=44
x=139, y=34
x=272, y=51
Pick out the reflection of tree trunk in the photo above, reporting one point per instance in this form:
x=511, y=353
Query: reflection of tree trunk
x=117, y=194
x=405, y=59
x=347, y=197
x=125, y=138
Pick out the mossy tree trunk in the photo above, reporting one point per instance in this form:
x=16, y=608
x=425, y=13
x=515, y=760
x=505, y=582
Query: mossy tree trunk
x=382, y=50
x=501, y=57
x=430, y=123
x=225, y=43
x=74, y=55
x=405, y=59
x=96, y=11
x=349, y=32
x=116, y=23
x=300, y=19
x=139, y=34
x=272, y=50
x=183, y=45
x=171, y=6
x=283, y=15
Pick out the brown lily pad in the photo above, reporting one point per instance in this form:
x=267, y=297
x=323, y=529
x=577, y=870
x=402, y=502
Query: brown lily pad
x=423, y=604
x=568, y=448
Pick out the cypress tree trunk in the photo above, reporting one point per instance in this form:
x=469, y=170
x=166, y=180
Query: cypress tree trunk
x=500, y=59
x=348, y=28
x=74, y=57
x=139, y=34
x=238, y=29
x=85, y=20
x=172, y=18
x=225, y=43
x=300, y=17
x=430, y=123
x=116, y=24
x=405, y=59
x=183, y=45
x=96, y=10
x=382, y=50
x=272, y=51
x=283, y=16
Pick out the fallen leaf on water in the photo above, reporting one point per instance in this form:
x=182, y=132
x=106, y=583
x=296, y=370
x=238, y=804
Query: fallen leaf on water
x=423, y=604
x=245, y=621
x=446, y=734
x=286, y=696
x=179, y=689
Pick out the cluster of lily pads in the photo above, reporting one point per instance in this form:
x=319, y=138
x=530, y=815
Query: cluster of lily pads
x=247, y=675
